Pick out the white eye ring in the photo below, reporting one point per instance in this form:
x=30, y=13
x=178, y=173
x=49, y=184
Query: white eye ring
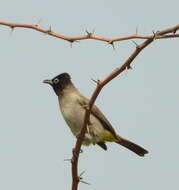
x=56, y=81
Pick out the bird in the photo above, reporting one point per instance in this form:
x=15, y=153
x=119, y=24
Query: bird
x=73, y=106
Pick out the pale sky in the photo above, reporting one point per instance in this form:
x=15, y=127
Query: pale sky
x=141, y=104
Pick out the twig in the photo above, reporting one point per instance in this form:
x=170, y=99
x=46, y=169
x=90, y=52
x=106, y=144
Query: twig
x=89, y=35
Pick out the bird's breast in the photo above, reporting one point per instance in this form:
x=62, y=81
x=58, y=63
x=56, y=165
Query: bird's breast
x=72, y=112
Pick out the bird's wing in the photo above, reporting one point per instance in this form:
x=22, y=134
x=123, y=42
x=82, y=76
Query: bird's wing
x=95, y=111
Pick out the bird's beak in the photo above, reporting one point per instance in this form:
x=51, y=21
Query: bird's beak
x=48, y=82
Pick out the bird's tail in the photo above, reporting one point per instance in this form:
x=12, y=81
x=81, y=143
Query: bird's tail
x=132, y=146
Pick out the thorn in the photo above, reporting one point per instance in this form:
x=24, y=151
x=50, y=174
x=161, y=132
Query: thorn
x=128, y=67
x=39, y=21
x=112, y=43
x=113, y=47
x=81, y=181
x=137, y=46
x=154, y=34
x=49, y=30
x=89, y=34
x=82, y=173
x=96, y=81
x=72, y=41
x=12, y=29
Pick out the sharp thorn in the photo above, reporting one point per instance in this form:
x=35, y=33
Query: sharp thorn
x=82, y=173
x=89, y=34
x=128, y=67
x=84, y=182
x=112, y=43
x=137, y=46
x=39, y=21
x=49, y=30
x=154, y=35
x=113, y=46
x=71, y=41
x=96, y=81
x=12, y=29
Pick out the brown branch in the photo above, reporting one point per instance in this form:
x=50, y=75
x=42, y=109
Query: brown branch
x=100, y=85
x=89, y=35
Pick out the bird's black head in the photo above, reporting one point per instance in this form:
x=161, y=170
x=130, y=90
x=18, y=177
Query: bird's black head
x=59, y=82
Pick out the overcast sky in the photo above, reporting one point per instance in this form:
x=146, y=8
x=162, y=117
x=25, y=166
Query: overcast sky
x=142, y=104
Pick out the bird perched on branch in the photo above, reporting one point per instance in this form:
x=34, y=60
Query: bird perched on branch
x=73, y=105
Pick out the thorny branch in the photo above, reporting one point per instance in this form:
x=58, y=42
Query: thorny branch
x=167, y=33
x=100, y=85
x=88, y=35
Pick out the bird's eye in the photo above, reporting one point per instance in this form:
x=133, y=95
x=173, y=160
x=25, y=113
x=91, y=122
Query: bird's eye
x=56, y=81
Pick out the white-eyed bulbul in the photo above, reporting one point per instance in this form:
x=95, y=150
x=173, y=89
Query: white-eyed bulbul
x=73, y=105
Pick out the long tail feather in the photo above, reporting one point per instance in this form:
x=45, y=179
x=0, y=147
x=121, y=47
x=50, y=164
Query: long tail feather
x=132, y=146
